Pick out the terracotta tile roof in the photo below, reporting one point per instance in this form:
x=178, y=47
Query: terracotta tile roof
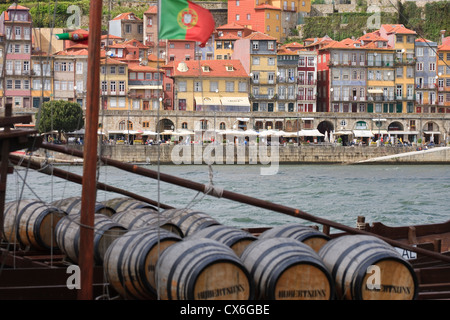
x=374, y=46
x=372, y=36
x=138, y=43
x=397, y=28
x=232, y=25
x=228, y=37
x=294, y=45
x=444, y=47
x=127, y=16
x=17, y=7
x=285, y=51
x=423, y=40
x=110, y=36
x=217, y=69
x=112, y=61
x=259, y=36
x=138, y=67
x=152, y=9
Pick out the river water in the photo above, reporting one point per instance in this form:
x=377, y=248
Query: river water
x=392, y=194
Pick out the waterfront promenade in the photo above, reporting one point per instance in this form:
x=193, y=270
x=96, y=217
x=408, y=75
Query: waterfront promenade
x=289, y=154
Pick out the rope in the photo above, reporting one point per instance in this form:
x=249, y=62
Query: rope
x=210, y=188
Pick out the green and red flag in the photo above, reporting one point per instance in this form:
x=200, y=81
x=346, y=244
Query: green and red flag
x=182, y=19
x=81, y=37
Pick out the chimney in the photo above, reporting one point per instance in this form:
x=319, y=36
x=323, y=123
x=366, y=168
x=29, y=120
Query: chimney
x=442, y=36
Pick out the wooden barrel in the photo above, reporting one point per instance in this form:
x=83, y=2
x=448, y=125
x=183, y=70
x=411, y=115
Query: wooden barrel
x=308, y=235
x=349, y=257
x=145, y=218
x=130, y=261
x=31, y=223
x=105, y=232
x=125, y=203
x=236, y=239
x=189, y=221
x=287, y=269
x=73, y=206
x=202, y=269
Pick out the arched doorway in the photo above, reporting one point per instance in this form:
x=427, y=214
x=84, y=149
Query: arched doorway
x=395, y=131
x=165, y=124
x=431, y=132
x=325, y=127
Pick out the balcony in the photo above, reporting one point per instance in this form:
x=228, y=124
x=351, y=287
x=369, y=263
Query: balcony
x=304, y=82
x=410, y=61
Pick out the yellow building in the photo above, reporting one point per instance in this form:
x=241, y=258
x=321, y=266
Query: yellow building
x=211, y=85
x=380, y=74
x=403, y=41
x=272, y=19
x=224, y=46
x=114, y=84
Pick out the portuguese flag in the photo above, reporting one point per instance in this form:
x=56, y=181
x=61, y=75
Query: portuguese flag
x=182, y=19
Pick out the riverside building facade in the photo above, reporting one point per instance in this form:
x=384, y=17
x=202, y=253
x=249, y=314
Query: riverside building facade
x=388, y=83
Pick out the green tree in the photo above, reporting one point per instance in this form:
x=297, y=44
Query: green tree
x=60, y=115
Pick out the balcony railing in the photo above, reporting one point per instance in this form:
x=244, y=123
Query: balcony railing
x=304, y=82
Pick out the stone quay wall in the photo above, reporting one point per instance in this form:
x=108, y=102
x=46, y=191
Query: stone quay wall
x=290, y=154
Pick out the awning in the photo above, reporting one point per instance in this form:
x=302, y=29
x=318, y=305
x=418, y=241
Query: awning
x=123, y=132
x=243, y=119
x=380, y=119
x=375, y=131
x=307, y=118
x=342, y=133
x=375, y=91
x=310, y=132
x=403, y=132
x=363, y=133
x=431, y=132
x=149, y=133
x=236, y=101
x=207, y=101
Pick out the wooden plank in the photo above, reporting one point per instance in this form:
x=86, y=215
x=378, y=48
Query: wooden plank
x=8, y=121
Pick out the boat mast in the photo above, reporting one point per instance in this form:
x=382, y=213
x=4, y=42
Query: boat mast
x=88, y=193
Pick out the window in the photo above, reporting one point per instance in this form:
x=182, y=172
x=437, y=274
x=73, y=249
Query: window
x=255, y=60
x=182, y=86
x=17, y=84
x=197, y=86
x=271, y=61
x=79, y=67
x=229, y=86
x=399, y=38
x=432, y=66
x=213, y=86
x=255, y=45
x=242, y=86
x=270, y=45
x=121, y=86
x=112, y=87
x=419, y=66
x=80, y=86
x=128, y=28
x=238, y=17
